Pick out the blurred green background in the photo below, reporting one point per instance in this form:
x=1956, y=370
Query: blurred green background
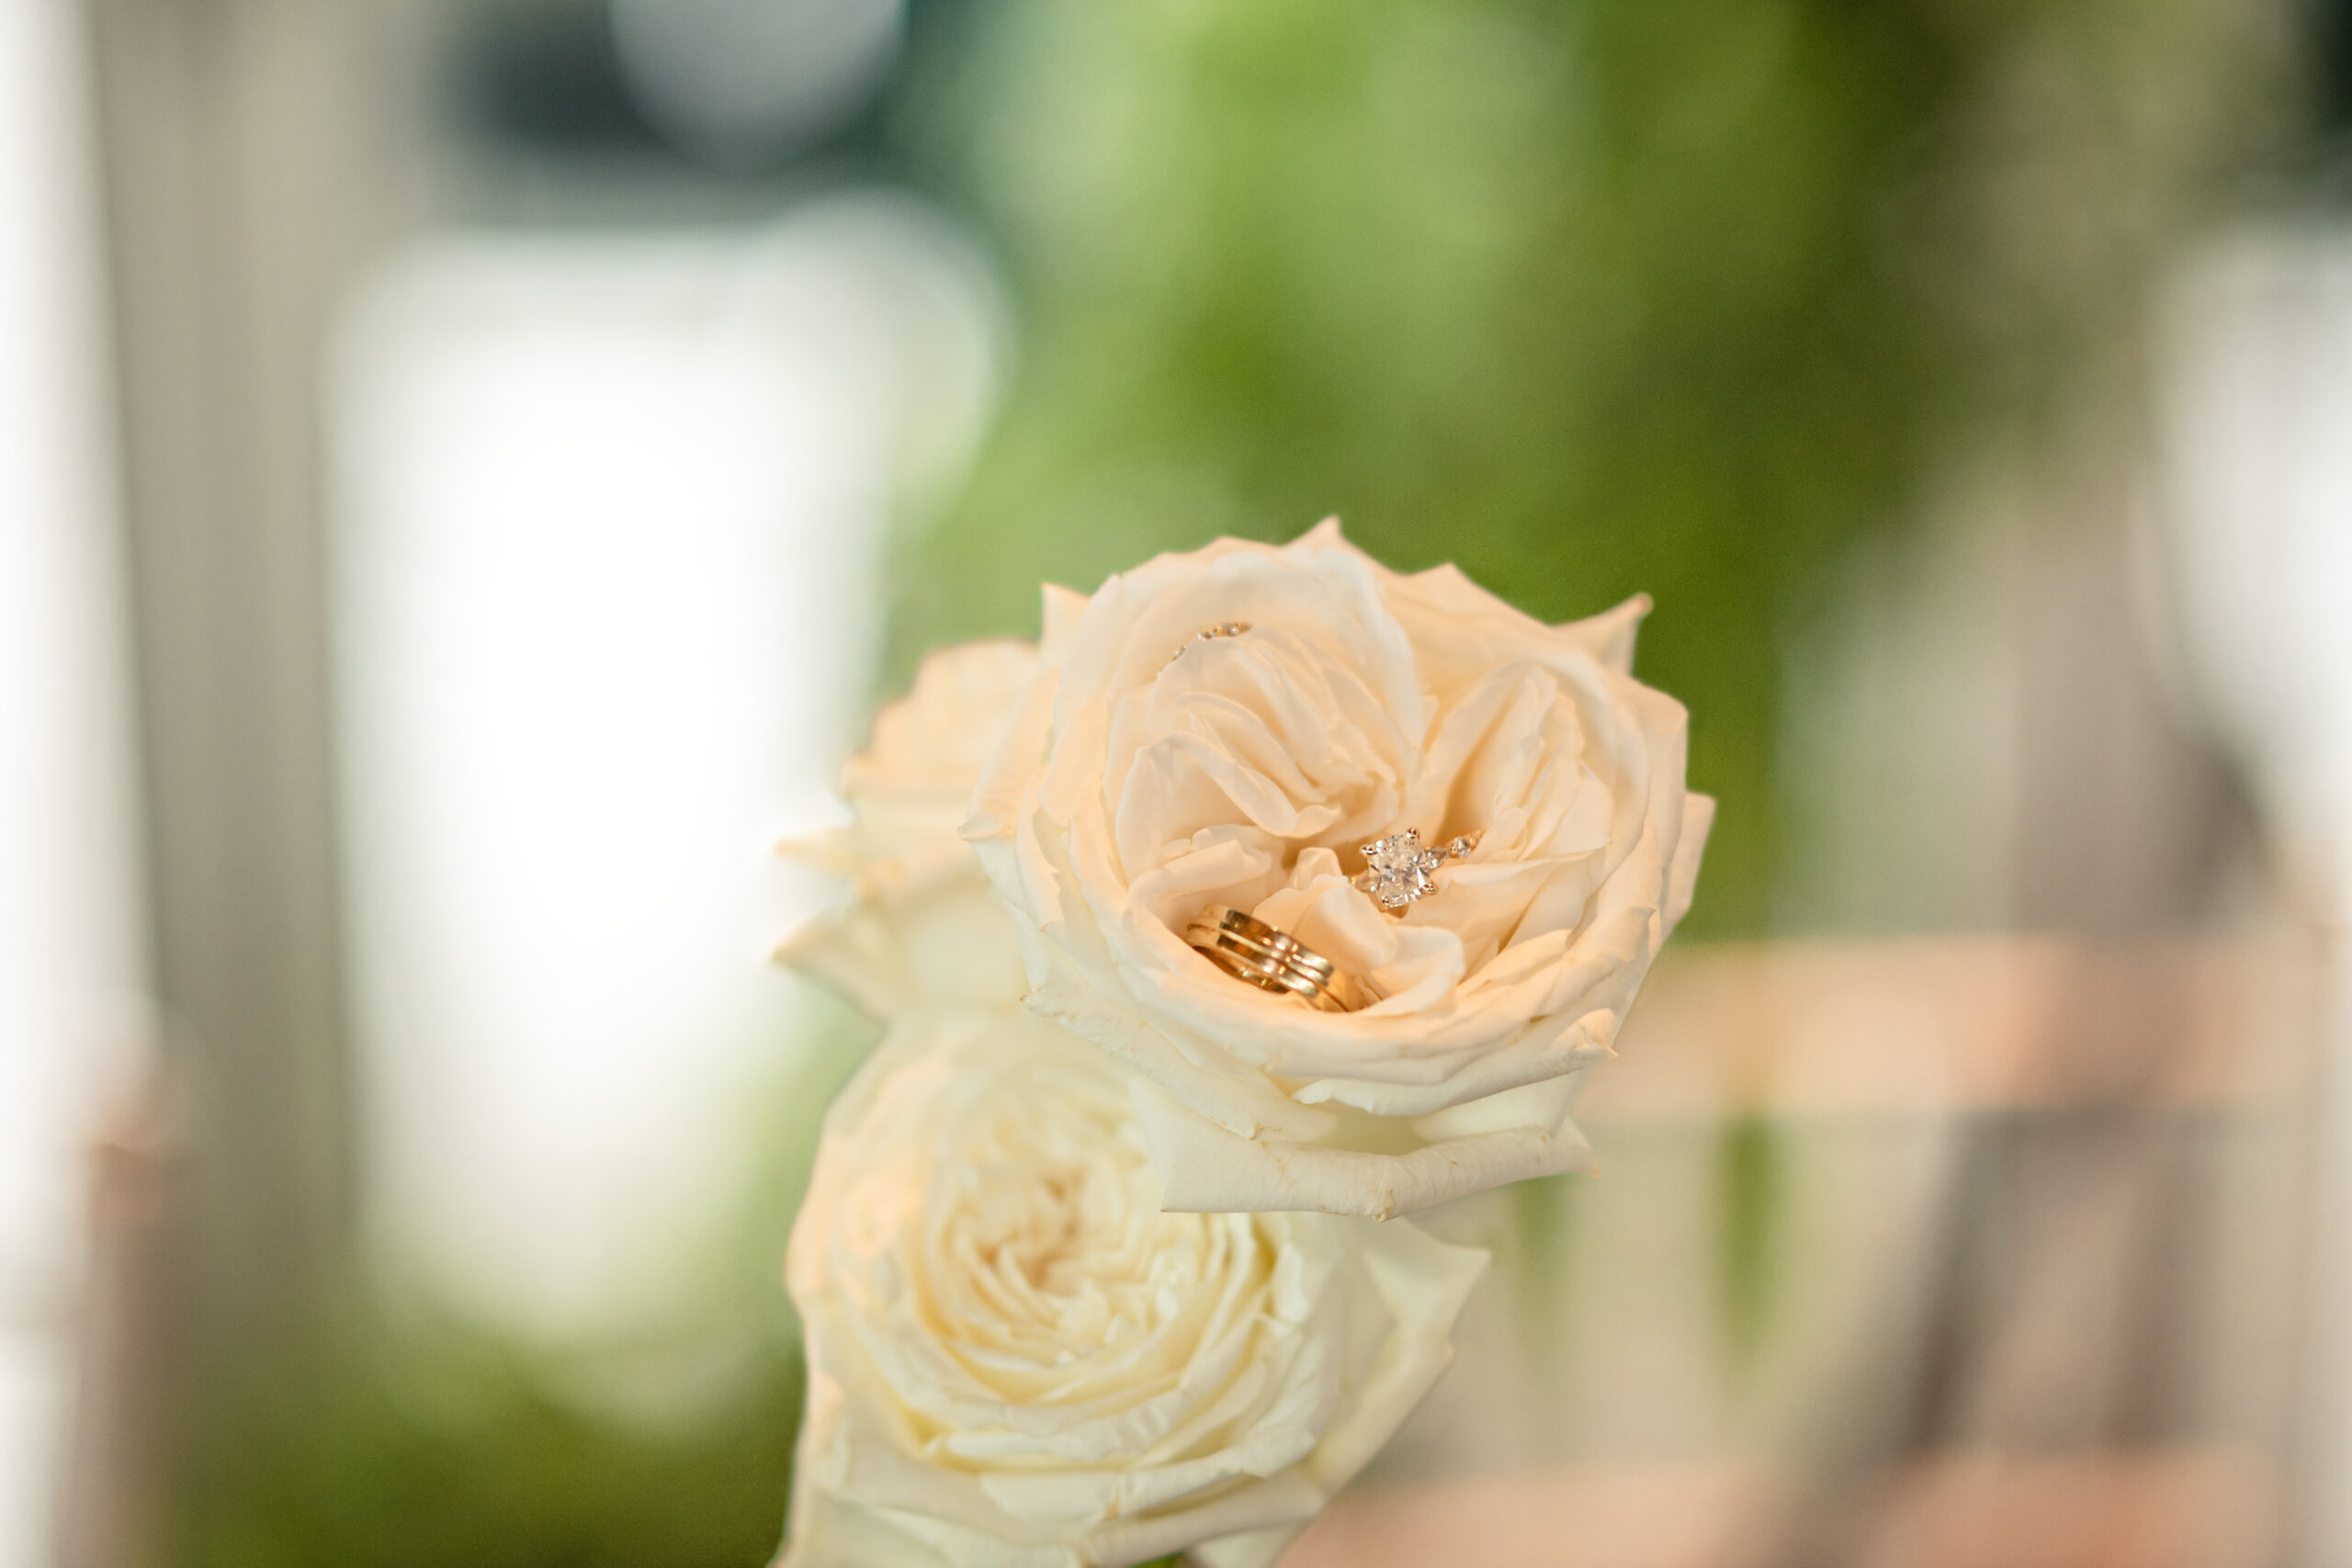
x=1592, y=300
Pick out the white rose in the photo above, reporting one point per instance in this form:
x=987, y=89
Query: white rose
x=918, y=925
x=1016, y=1359
x=1138, y=784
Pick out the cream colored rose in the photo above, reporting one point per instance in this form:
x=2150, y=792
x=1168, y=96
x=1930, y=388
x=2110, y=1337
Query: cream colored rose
x=918, y=925
x=1016, y=1359
x=1150, y=771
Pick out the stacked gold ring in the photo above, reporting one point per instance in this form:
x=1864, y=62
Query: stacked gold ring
x=1249, y=950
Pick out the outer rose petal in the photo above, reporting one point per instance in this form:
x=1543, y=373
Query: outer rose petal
x=1462, y=1076
x=947, y=944
x=918, y=926
x=1208, y=1169
x=1682, y=882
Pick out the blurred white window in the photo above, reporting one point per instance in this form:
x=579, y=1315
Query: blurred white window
x=2252, y=493
x=610, y=521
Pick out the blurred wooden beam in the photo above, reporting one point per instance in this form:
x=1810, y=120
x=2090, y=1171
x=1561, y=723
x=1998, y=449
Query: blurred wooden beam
x=1967, y=1023
x=252, y=157
x=2164, y=1508
x=237, y=165
x=225, y=190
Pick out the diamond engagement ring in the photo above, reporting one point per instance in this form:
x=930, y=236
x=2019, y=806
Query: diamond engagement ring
x=1398, y=872
x=1249, y=950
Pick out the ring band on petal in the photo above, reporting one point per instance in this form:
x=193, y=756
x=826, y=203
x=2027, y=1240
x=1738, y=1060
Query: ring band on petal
x=1210, y=634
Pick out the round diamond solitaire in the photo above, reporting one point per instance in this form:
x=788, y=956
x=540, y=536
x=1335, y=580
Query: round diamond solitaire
x=1398, y=871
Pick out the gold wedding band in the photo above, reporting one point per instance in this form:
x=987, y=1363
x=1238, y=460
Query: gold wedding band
x=1249, y=950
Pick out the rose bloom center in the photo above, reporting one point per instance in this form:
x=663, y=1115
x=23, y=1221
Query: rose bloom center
x=1047, y=1246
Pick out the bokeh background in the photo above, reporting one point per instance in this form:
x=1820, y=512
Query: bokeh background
x=470, y=467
